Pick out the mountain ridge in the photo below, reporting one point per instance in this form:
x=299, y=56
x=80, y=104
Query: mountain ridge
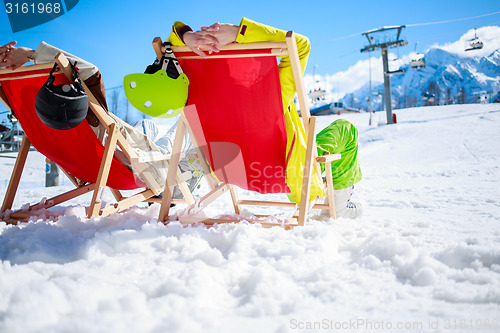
x=447, y=79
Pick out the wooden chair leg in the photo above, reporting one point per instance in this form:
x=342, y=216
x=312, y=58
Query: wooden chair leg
x=235, y=198
x=16, y=174
x=102, y=178
x=329, y=190
x=173, y=166
x=72, y=178
x=117, y=194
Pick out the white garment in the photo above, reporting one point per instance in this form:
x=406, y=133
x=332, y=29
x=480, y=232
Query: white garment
x=344, y=207
x=342, y=197
x=45, y=53
x=164, y=142
x=191, y=170
x=152, y=173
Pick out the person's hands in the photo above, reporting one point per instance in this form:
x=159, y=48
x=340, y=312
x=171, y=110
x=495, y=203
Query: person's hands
x=200, y=41
x=225, y=33
x=12, y=57
x=4, y=49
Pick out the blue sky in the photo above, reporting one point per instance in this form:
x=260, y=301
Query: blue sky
x=116, y=35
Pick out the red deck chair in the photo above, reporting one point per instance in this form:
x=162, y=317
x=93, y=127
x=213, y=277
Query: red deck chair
x=236, y=121
x=78, y=152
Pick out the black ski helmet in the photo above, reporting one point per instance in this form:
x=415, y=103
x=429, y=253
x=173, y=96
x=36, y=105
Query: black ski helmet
x=62, y=106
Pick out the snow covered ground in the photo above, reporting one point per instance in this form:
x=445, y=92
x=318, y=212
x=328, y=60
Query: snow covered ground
x=425, y=257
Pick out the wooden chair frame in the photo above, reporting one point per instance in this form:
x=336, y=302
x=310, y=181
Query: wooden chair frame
x=114, y=138
x=289, y=47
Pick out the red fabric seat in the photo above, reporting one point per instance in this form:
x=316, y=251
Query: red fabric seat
x=76, y=150
x=232, y=102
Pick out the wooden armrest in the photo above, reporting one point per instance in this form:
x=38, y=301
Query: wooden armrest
x=328, y=158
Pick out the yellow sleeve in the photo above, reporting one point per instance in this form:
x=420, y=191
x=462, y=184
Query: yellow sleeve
x=178, y=29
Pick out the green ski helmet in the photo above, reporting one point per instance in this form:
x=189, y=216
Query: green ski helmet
x=162, y=90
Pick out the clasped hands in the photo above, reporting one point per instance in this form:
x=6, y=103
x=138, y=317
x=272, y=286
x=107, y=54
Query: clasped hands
x=12, y=57
x=210, y=38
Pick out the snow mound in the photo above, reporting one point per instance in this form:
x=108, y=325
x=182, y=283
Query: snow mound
x=424, y=254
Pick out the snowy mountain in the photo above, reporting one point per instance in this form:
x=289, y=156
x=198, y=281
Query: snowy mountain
x=447, y=79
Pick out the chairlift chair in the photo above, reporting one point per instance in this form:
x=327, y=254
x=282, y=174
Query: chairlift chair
x=400, y=69
x=475, y=43
x=317, y=95
x=418, y=61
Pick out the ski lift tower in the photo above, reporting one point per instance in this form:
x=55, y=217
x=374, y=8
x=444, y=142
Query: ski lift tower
x=383, y=38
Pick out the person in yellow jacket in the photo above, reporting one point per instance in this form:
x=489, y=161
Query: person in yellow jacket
x=210, y=38
x=338, y=137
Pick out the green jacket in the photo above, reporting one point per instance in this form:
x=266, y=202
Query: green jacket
x=341, y=137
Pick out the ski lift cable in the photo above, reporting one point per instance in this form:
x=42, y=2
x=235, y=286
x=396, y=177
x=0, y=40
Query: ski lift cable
x=411, y=25
x=339, y=38
x=450, y=21
x=434, y=37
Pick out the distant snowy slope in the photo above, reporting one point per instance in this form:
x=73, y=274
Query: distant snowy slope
x=452, y=75
x=444, y=76
x=423, y=258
